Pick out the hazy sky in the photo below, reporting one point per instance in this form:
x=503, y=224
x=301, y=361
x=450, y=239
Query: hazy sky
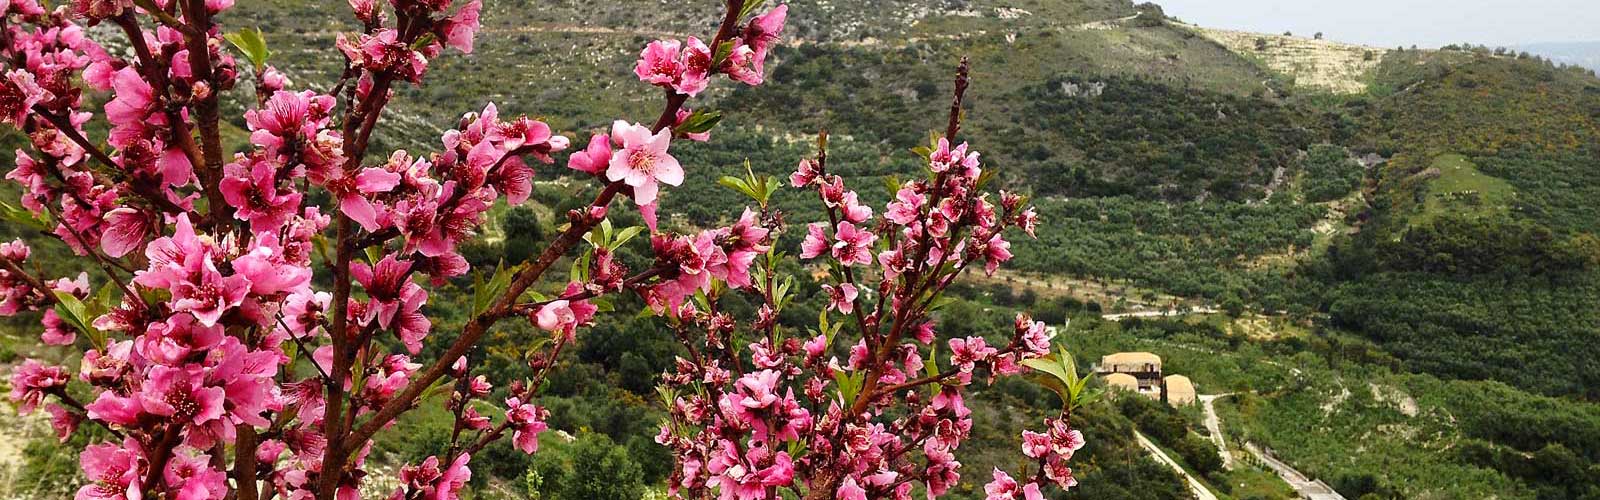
x=1387, y=23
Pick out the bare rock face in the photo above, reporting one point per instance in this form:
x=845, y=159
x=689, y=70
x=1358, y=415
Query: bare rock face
x=1314, y=63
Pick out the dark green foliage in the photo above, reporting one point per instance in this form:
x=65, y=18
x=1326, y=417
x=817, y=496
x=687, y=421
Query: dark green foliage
x=1158, y=141
x=1167, y=427
x=591, y=467
x=1330, y=173
x=524, y=235
x=1187, y=249
x=1482, y=328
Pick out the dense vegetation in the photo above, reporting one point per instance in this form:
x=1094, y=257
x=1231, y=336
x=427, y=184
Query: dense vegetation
x=1334, y=406
x=1160, y=162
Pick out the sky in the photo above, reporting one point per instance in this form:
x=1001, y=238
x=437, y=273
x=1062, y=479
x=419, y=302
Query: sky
x=1391, y=23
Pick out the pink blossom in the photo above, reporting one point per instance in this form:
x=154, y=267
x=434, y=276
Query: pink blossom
x=115, y=472
x=460, y=29
x=684, y=68
x=177, y=340
x=1035, y=335
x=957, y=160
x=1035, y=444
x=32, y=380
x=449, y=485
x=748, y=477
x=527, y=421
x=741, y=243
x=907, y=206
x=303, y=312
x=643, y=160
x=564, y=316
x=852, y=209
x=1005, y=488
x=593, y=159
x=805, y=174
x=353, y=191
x=133, y=102
x=125, y=230
x=207, y=294
x=18, y=94
x=816, y=241
x=288, y=116
x=745, y=65
x=843, y=298
x=395, y=300
x=268, y=270
x=192, y=476
x=763, y=30
x=384, y=51
x=180, y=394
x=964, y=353
x=659, y=62
x=850, y=490
x=366, y=10
x=996, y=251
x=63, y=421
x=853, y=247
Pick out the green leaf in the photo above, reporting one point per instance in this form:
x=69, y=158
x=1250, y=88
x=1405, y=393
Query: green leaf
x=424, y=41
x=797, y=447
x=484, y=293
x=739, y=185
x=985, y=177
x=750, y=6
x=77, y=315
x=24, y=217
x=699, y=122
x=849, y=385
x=580, y=267
x=724, y=49
x=1047, y=365
x=931, y=364
x=254, y=46
x=892, y=183
x=624, y=235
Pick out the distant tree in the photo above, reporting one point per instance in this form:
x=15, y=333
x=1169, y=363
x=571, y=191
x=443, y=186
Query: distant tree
x=523, y=233
x=1288, y=33
x=1261, y=43
x=594, y=467
x=1232, y=304
x=1317, y=36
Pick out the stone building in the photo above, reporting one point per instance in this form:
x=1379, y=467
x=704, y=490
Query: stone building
x=1140, y=372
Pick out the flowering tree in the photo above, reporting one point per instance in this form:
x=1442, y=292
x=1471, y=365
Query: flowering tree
x=221, y=371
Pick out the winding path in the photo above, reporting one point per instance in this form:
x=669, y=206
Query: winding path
x=1313, y=489
x=1199, y=489
x=1214, y=427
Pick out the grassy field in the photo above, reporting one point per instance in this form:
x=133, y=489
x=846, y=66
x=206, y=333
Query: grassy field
x=1460, y=188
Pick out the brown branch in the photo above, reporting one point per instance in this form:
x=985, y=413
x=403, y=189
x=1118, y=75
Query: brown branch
x=165, y=18
x=207, y=115
x=909, y=293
